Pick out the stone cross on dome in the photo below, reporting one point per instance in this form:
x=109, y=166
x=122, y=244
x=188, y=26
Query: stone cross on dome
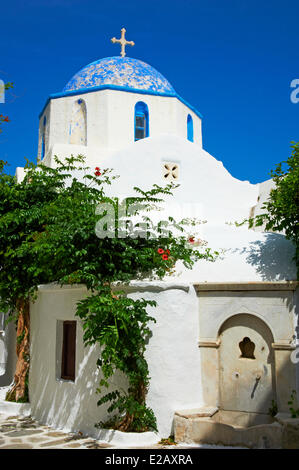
x=123, y=42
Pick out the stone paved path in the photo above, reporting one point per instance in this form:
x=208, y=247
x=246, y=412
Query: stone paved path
x=22, y=432
x=19, y=432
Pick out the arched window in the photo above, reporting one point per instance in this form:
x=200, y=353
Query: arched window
x=141, y=121
x=190, y=128
x=43, y=147
x=43, y=150
x=78, y=128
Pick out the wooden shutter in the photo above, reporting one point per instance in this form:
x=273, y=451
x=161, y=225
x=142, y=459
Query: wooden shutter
x=68, y=360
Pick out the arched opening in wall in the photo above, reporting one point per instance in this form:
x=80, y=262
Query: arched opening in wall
x=190, y=128
x=78, y=126
x=141, y=121
x=247, y=382
x=43, y=145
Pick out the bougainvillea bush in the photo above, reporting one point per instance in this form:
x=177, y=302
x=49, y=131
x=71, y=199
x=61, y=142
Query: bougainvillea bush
x=48, y=234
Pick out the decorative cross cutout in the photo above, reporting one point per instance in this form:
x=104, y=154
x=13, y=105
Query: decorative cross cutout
x=123, y=42
x=171, y=171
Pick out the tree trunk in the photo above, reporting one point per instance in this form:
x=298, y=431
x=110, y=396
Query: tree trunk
x=19, y=390
x=139, y=395
x=125, y=423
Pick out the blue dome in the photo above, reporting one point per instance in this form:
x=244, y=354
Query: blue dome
x=122, y=72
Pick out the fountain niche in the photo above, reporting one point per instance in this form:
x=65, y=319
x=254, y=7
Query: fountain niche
x=246, y=343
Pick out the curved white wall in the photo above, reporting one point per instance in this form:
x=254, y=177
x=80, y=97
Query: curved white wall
x=110, y=118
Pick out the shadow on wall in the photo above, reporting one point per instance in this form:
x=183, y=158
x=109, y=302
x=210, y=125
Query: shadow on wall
x=8, y=353
x=296, y=311
x=272, y=258
x=64, y=404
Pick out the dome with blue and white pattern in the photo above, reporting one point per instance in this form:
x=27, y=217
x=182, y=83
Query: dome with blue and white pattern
x=121, y=72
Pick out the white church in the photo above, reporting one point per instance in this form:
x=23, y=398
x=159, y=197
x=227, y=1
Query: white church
x=223, y=349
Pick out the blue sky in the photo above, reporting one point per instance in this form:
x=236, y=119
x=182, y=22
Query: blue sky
x=233, y=60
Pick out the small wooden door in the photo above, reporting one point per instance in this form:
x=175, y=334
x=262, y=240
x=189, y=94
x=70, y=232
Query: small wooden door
x=68, y=360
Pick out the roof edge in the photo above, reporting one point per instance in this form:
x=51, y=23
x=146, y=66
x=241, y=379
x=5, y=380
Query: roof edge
x=82, y=91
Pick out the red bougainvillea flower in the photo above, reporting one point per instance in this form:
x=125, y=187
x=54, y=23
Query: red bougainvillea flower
x=97, y=173
x=165, y=257
x=160, y=251
x=191, y=240
x=97, y=168
x=168, y=252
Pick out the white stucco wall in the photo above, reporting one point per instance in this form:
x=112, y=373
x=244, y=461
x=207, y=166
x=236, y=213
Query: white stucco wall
x=207, y=191
x=264, y=190
x=60, y=403
x=203, y=180
x=3, y=346
x=7, y=352
x=264, y=193
x=183, y=318
x=110, y=118
x=245, y=256
x=172, y=354
x=44, y=129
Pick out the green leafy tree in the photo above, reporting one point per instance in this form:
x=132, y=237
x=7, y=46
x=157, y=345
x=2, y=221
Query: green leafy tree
x=282, y=206
x=47, y=234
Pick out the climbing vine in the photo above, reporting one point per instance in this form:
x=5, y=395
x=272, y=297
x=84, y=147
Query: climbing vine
x=49, y=233
x=120, y=325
